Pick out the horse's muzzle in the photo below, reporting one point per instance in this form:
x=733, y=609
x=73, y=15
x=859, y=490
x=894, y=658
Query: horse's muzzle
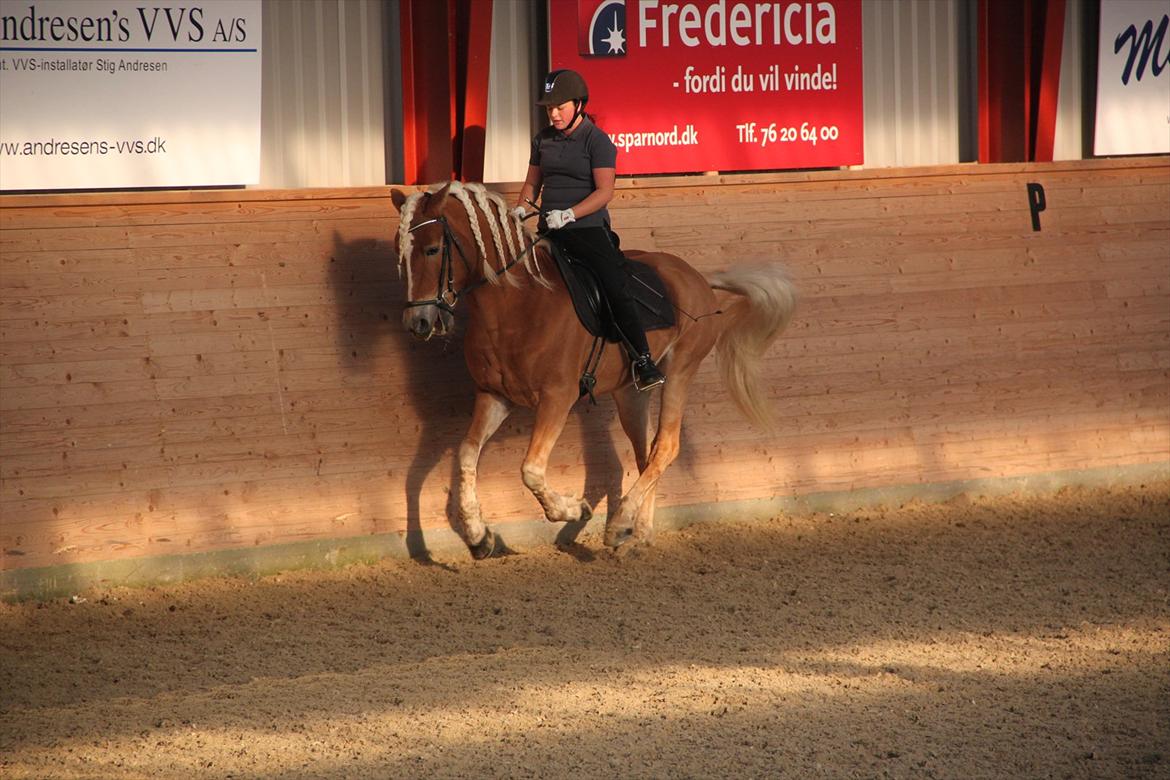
x=427, y=321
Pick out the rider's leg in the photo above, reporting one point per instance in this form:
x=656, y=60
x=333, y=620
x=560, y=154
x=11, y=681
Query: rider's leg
x=594, y=246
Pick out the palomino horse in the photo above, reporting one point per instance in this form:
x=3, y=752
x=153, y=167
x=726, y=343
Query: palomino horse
x=525, y=346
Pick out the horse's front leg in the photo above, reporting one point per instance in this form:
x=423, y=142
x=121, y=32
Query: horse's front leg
x=550, y=421
x=490, y=413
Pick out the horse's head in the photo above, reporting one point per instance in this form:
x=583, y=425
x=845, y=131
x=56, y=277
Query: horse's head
x=451, y=240
x=431, y=257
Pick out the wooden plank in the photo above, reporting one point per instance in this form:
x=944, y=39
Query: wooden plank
x=313, y=249
x=224, y=278
x=432, y=397
x=267, y=451
x=366, y=319
x=194, y=213
x=1064, y=385
x=845, y=313
x=265, y=523
x=916, y=188
x=212, y=234
x=785, y=242
x=38, y=386
x=192, y=494
x=51, y=200
x=252, y=498
x=258, y=298
x=752, y=207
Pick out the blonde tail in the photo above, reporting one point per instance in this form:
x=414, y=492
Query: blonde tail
x=751, y=324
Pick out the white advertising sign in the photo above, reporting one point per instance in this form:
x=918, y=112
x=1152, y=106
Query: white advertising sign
x=1133, y=78
x=114, y=94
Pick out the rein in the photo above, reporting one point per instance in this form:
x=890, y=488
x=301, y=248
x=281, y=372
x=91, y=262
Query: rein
x=447, y=296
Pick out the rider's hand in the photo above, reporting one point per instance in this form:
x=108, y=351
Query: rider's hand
x=519, y=213
x=558, y=218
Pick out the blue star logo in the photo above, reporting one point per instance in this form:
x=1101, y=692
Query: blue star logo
x=607, y=31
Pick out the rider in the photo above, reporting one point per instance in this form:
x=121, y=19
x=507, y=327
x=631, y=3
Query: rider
x=575, y=163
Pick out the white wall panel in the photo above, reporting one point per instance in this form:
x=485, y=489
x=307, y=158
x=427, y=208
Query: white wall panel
x=322, y=120
x=1070, y=106
x=512, y=84
x=912, y=60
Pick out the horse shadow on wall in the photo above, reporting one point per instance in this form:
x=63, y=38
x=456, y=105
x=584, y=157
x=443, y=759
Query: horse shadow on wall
x=375, y=353
x=433, y=395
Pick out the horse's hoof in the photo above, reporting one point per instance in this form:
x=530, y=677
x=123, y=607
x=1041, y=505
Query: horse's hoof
x=631, y=549
x=486, y=546
x=617, y=537
x=586, y=511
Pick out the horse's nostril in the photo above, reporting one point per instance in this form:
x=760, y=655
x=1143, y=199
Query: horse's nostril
x=422, y=326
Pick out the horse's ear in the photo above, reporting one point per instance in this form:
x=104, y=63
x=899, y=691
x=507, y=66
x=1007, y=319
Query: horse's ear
x=397, y=197
x=441, y=197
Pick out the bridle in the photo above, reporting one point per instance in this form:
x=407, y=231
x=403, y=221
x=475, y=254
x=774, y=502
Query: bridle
x=447, y=296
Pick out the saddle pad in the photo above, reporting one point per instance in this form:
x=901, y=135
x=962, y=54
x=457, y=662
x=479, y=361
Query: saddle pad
x=654, y=308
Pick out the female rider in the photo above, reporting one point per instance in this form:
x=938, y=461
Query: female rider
x=574, y=161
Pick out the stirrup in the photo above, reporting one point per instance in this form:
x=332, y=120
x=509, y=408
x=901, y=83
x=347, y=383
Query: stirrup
x=646, y=374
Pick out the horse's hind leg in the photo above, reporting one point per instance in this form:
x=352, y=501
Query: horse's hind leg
x=550, y=421
x=490, y=412
x=634, y=412
x=634, y=518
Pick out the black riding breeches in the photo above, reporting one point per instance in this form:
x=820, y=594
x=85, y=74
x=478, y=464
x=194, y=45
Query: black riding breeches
x=593, y=246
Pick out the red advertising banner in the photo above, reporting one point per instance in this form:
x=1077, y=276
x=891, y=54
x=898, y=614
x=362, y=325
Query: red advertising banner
x=718, y=85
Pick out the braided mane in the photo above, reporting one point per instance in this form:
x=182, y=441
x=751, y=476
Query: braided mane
x=509, y=236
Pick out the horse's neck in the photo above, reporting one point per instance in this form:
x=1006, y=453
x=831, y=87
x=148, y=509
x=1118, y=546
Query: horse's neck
x=496, y=306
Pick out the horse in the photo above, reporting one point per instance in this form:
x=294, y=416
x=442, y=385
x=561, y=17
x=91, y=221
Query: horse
x=524, y=346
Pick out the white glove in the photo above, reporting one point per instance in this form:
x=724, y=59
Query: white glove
x=558, y=218
x=519, y=213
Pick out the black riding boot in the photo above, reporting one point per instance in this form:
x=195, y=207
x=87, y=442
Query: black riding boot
x=646, y=374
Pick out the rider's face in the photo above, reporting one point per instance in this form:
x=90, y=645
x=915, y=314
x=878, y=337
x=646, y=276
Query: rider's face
x=560, y=116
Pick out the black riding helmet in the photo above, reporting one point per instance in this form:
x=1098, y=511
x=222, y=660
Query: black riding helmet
x=561, y=86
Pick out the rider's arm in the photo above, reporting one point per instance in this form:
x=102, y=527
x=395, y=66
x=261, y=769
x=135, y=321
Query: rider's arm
x=531, y=186
x=602, y=194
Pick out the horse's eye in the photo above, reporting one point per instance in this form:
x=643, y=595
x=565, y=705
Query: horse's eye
x=431, y=251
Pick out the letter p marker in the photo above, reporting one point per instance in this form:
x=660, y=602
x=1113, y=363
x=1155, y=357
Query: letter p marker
x=1036, y=203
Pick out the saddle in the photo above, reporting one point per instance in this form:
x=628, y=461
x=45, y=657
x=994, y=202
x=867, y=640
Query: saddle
x=654, y=308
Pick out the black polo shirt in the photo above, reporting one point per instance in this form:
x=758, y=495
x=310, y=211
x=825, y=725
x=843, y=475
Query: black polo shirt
x=566, y=165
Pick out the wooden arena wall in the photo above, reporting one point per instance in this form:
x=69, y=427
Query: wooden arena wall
x=193, y=372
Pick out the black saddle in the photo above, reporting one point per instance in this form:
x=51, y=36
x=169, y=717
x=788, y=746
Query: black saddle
x=654, y=308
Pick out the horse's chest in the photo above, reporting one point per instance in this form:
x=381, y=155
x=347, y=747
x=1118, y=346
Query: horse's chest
x=497, y=371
